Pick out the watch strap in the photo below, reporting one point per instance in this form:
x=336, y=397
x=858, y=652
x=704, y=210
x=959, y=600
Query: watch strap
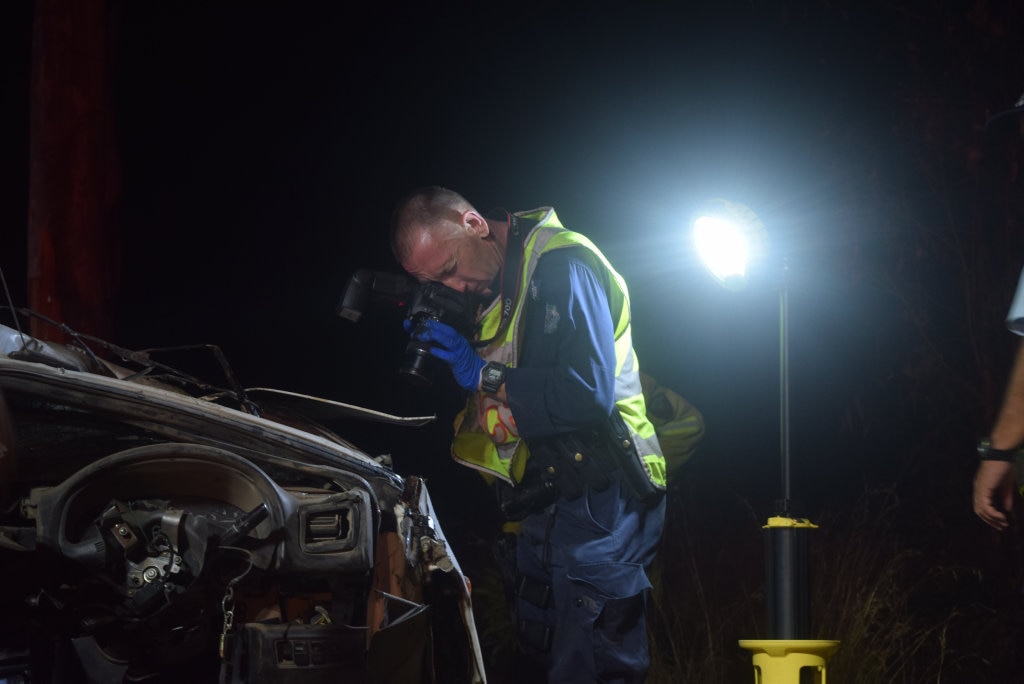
x=987, y=453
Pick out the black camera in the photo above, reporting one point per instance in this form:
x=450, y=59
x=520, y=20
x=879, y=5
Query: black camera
x=426, y=301
x=437, y=302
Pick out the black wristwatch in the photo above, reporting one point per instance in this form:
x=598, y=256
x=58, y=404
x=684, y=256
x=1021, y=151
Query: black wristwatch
x=492, y=377
x=987, y=453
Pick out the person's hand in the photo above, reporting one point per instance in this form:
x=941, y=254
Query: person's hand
x=993, y=493
x=452, y=348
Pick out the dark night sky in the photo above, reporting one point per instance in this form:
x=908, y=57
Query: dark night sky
x=263, y=149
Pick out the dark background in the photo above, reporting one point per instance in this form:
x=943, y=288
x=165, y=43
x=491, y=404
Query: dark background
x=263, y=145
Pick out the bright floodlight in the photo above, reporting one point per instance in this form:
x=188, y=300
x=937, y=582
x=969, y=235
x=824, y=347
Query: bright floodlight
x=728, y=237
x=722, y=247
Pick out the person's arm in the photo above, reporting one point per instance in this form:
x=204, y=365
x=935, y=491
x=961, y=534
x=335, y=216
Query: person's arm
x=1008, y=431
x=565, y=376
x=994, y=480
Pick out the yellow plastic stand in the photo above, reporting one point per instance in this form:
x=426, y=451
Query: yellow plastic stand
x=779, y=661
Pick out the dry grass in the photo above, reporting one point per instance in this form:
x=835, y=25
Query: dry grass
x=903, y=611
x=901, y=617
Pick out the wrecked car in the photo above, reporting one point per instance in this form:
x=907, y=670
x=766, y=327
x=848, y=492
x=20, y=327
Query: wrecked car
x=156, y=526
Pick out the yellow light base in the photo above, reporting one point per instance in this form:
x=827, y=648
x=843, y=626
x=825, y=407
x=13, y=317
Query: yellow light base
x=779, y=661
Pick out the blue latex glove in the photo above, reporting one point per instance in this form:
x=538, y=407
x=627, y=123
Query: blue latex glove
x=452, y=348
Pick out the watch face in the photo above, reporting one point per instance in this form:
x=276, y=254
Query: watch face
x=493, y=376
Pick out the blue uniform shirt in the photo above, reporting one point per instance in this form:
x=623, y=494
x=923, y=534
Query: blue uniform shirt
x=565, y=376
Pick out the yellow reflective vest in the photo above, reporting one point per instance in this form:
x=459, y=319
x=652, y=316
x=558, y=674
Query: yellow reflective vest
x=485, y=435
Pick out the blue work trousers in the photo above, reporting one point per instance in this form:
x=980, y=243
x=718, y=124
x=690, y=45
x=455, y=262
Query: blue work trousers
x=581, y=608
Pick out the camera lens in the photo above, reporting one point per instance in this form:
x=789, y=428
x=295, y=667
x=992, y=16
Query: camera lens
x=418, y=363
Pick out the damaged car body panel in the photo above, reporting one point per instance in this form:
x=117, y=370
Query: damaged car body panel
x=155, y=528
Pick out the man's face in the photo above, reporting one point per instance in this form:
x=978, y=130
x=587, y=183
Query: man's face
x=462, y=255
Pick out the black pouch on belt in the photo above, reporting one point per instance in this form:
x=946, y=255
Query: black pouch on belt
x=626, y=457
x=576, y=460
x=532, y=495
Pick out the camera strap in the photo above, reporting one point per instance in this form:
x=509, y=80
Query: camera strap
x=511, y=278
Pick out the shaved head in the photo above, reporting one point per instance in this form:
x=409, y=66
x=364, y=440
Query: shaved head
x=430, y=208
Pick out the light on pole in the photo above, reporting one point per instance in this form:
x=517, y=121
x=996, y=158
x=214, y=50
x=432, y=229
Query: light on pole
x=731, y=240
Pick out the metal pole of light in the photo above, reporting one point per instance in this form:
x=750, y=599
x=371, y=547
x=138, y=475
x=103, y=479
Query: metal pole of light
x=784, y=386
x=787, y=652
x=788, y=597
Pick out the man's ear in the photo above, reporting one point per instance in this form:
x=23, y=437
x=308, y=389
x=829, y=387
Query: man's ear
x=475, y=223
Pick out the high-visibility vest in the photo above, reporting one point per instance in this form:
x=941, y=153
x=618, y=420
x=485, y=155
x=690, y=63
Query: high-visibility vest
x=485, y=434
